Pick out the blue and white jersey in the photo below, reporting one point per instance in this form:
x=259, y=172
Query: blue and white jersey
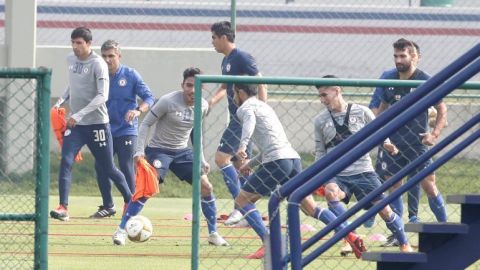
x=408, y=134
x=125, y=85
x=237, y=63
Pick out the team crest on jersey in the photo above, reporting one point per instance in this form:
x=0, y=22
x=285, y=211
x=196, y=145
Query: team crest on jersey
x=67, y=132
x=122, y=82
x=85, y=70
x=384, y=165
x=157, y=164
x=228, y=67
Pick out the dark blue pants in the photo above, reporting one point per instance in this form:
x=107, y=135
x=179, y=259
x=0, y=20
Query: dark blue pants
x=98, y=139
x=123, y=147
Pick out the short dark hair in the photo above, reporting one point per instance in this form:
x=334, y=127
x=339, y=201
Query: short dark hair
x=250, y=89
x=191, y=72
x=224, y=28
x=82, y=32
x=403, y=44
x=329, y=76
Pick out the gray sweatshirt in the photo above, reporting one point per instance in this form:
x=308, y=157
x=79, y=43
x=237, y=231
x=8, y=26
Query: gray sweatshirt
x=87, y=91
x=261, y=124
x=360, y=116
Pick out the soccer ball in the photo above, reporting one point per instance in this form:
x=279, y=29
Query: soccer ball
x=139, y=229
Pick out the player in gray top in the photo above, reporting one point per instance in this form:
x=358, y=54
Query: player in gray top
x=88, y=120
x=278, y=162
x=334, y=125
x=168, y=150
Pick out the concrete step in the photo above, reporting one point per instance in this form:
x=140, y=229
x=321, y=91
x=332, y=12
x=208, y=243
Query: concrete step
x=440, y=228
x=396, y=257
x=464, y=199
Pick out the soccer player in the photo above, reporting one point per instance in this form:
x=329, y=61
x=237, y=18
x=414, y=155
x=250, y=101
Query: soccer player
x=87, y=94
x=334, y=125
x=235, y=62
x=277, y=163
x=123, y=110
x=414, y=138
x=168, y=150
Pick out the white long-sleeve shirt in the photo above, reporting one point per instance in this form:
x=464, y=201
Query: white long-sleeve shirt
x=261, y=124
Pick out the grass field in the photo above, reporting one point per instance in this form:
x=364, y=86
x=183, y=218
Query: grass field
x=84, y=243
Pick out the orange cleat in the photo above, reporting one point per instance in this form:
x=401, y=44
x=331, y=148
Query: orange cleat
x=357, y=244
x=259, y=254
x=406, y=248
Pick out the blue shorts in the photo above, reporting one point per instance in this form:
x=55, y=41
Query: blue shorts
x=179, y=162
x=231, y=139
x=271, y=175
x=359, y=185
x=388, y=165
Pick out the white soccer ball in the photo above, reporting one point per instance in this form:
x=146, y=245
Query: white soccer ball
x=139, y=228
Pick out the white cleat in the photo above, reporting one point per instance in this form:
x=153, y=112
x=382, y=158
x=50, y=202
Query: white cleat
x=119, y=237
x=346, y=249
x=217, y=240
x=234, y=218
x=243, y=223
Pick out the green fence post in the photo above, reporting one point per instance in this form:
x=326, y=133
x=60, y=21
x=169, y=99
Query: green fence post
x=436, y=3
x=197, y=138
x=42, y=169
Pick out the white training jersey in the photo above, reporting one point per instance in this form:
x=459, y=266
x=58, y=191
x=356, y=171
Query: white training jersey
x=261, y=125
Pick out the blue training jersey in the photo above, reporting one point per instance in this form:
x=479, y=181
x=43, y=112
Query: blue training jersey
x=125, y=85
x=410, y=133
x=377, y=94
x=237, y=63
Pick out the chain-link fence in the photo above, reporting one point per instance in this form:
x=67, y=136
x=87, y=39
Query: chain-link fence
x=297, y=106
x=24, y=167
x=288, y=38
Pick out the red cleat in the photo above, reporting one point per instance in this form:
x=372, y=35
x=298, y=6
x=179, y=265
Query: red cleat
x=259, y=254
x=357, y=244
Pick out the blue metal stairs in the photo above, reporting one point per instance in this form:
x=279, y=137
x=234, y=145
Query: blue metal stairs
x=445, y=246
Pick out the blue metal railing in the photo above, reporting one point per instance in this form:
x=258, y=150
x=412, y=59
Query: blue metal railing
x=397, y=177
x=356, y=146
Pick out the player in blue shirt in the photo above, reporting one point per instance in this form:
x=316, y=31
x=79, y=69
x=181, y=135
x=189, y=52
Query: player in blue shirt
x=414, y=138
x=87, y=94
x=235, y=62
x=123, y=110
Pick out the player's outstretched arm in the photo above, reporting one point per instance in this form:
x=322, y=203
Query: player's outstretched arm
x=262, y=91
x=219, y=94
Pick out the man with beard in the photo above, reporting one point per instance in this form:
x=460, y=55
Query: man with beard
x=414, y=138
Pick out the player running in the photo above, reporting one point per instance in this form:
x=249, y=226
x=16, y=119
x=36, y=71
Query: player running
x=168, y=149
